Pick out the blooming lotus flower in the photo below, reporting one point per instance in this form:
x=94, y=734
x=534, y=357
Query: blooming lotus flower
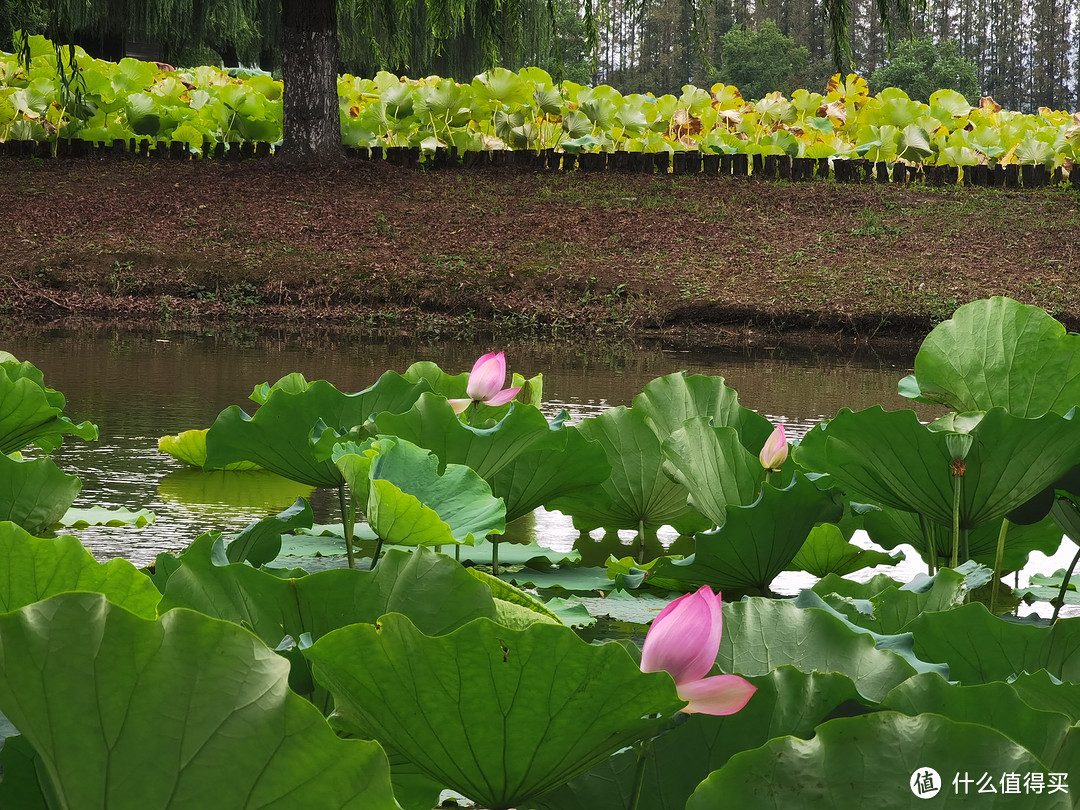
x=774, y=453
x=486, y=383
x=683, y=641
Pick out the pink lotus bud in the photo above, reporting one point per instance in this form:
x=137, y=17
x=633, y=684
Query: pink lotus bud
x=683, y=641
x=775, y=452
x=486, y=383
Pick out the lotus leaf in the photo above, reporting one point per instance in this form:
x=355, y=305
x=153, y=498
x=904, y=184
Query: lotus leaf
x=32, y=413
x=996, y=705
x=432, y=424
x=894, y=460
x=80, y=518
x=637, y=492
x=762, y=634
x=260, y=542
x=35, y=569
x=35, y=494
x=870, y=760
x=755, y=543
x=199, y=703
x=887, y=606
x=278, y=436
x=530, y=709
x=410, y=503
x=998, y=352
x=826, y=551
x=669, y=401
x=787, y=701
x=189, y=447
x=979, y=647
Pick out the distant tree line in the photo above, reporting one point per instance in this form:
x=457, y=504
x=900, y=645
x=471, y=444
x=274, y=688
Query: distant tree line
x=1024, y=53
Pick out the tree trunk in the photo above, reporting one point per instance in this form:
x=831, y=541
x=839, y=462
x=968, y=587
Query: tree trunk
x=309, y=59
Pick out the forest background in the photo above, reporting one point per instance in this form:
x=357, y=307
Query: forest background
x=1024, y=53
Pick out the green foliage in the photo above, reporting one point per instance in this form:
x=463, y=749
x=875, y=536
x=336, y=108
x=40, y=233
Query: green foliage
x=762, y=61
x=920, y=67
x=531, y=709
x=107, y=698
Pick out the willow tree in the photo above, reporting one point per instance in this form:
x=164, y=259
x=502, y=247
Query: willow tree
x=393, y=32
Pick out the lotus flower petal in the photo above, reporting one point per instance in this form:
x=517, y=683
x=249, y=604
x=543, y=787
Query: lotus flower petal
x=487, y=377
x=503, y=397
x=685, y=638
x=720, y=694
x=459, y=405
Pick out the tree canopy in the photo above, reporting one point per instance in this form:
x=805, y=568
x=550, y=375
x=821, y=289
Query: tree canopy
x=919, y=67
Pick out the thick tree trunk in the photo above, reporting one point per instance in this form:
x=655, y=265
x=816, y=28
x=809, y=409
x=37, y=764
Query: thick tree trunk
x=309, y=70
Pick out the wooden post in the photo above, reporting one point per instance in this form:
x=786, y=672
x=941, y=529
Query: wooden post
x=725, y=165
x=710, y=164
x=661, y=161
x=758, y=165
x=678, y=164
x=740, y=164
x=1012, y=176
x=693, y=162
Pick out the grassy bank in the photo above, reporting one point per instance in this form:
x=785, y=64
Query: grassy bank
x=380, y=247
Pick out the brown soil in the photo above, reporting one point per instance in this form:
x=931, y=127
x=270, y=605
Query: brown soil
x=381, y=247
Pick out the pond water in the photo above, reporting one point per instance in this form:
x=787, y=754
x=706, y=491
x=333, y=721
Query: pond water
x=137, y=386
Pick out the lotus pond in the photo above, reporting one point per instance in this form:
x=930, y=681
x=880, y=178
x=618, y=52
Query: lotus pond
x=473, y=533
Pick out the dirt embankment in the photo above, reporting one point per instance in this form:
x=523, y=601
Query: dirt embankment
x=380, y=247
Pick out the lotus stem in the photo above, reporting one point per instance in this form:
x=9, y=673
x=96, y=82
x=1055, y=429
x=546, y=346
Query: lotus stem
x=1064, y=587
x=928, y=537
x=639, y=775
x=641, y=540
x=494, y=558
x=957, y=481
x=346, y=523
x=997, y=564
x=378, y=550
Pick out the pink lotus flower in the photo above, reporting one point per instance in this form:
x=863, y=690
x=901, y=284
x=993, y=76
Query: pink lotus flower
x=774, y=453
x=486, y=383
x=683, y=641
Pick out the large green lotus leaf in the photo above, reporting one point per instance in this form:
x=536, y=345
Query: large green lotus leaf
x=35, y=494
x=410, y=503
x=189, y=447
x=278, y=436
x=891, y=527
x=998, y=352
x=868, y=761
x=32, y=413
x=1043, y=691
x=35, y=569
x=108, y=698
x=787, y=701
x=892, y=459
x=889, y=606
x=669, y=401
x=996, y=705
x=637, y=492
x=714, y=466
x=762, y=634
x=755, y=542
x=979, y=647
x=495, y=714
x=826, y=551
x=535, y=479
x=416, y=584
x=432, y=424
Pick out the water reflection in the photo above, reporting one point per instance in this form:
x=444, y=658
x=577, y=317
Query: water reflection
x=137, y=386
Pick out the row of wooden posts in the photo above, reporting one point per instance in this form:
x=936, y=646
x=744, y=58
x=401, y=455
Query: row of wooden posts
x=774, y=167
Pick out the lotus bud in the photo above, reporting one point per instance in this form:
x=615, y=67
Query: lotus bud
x=775, y=452
x=684, y=641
